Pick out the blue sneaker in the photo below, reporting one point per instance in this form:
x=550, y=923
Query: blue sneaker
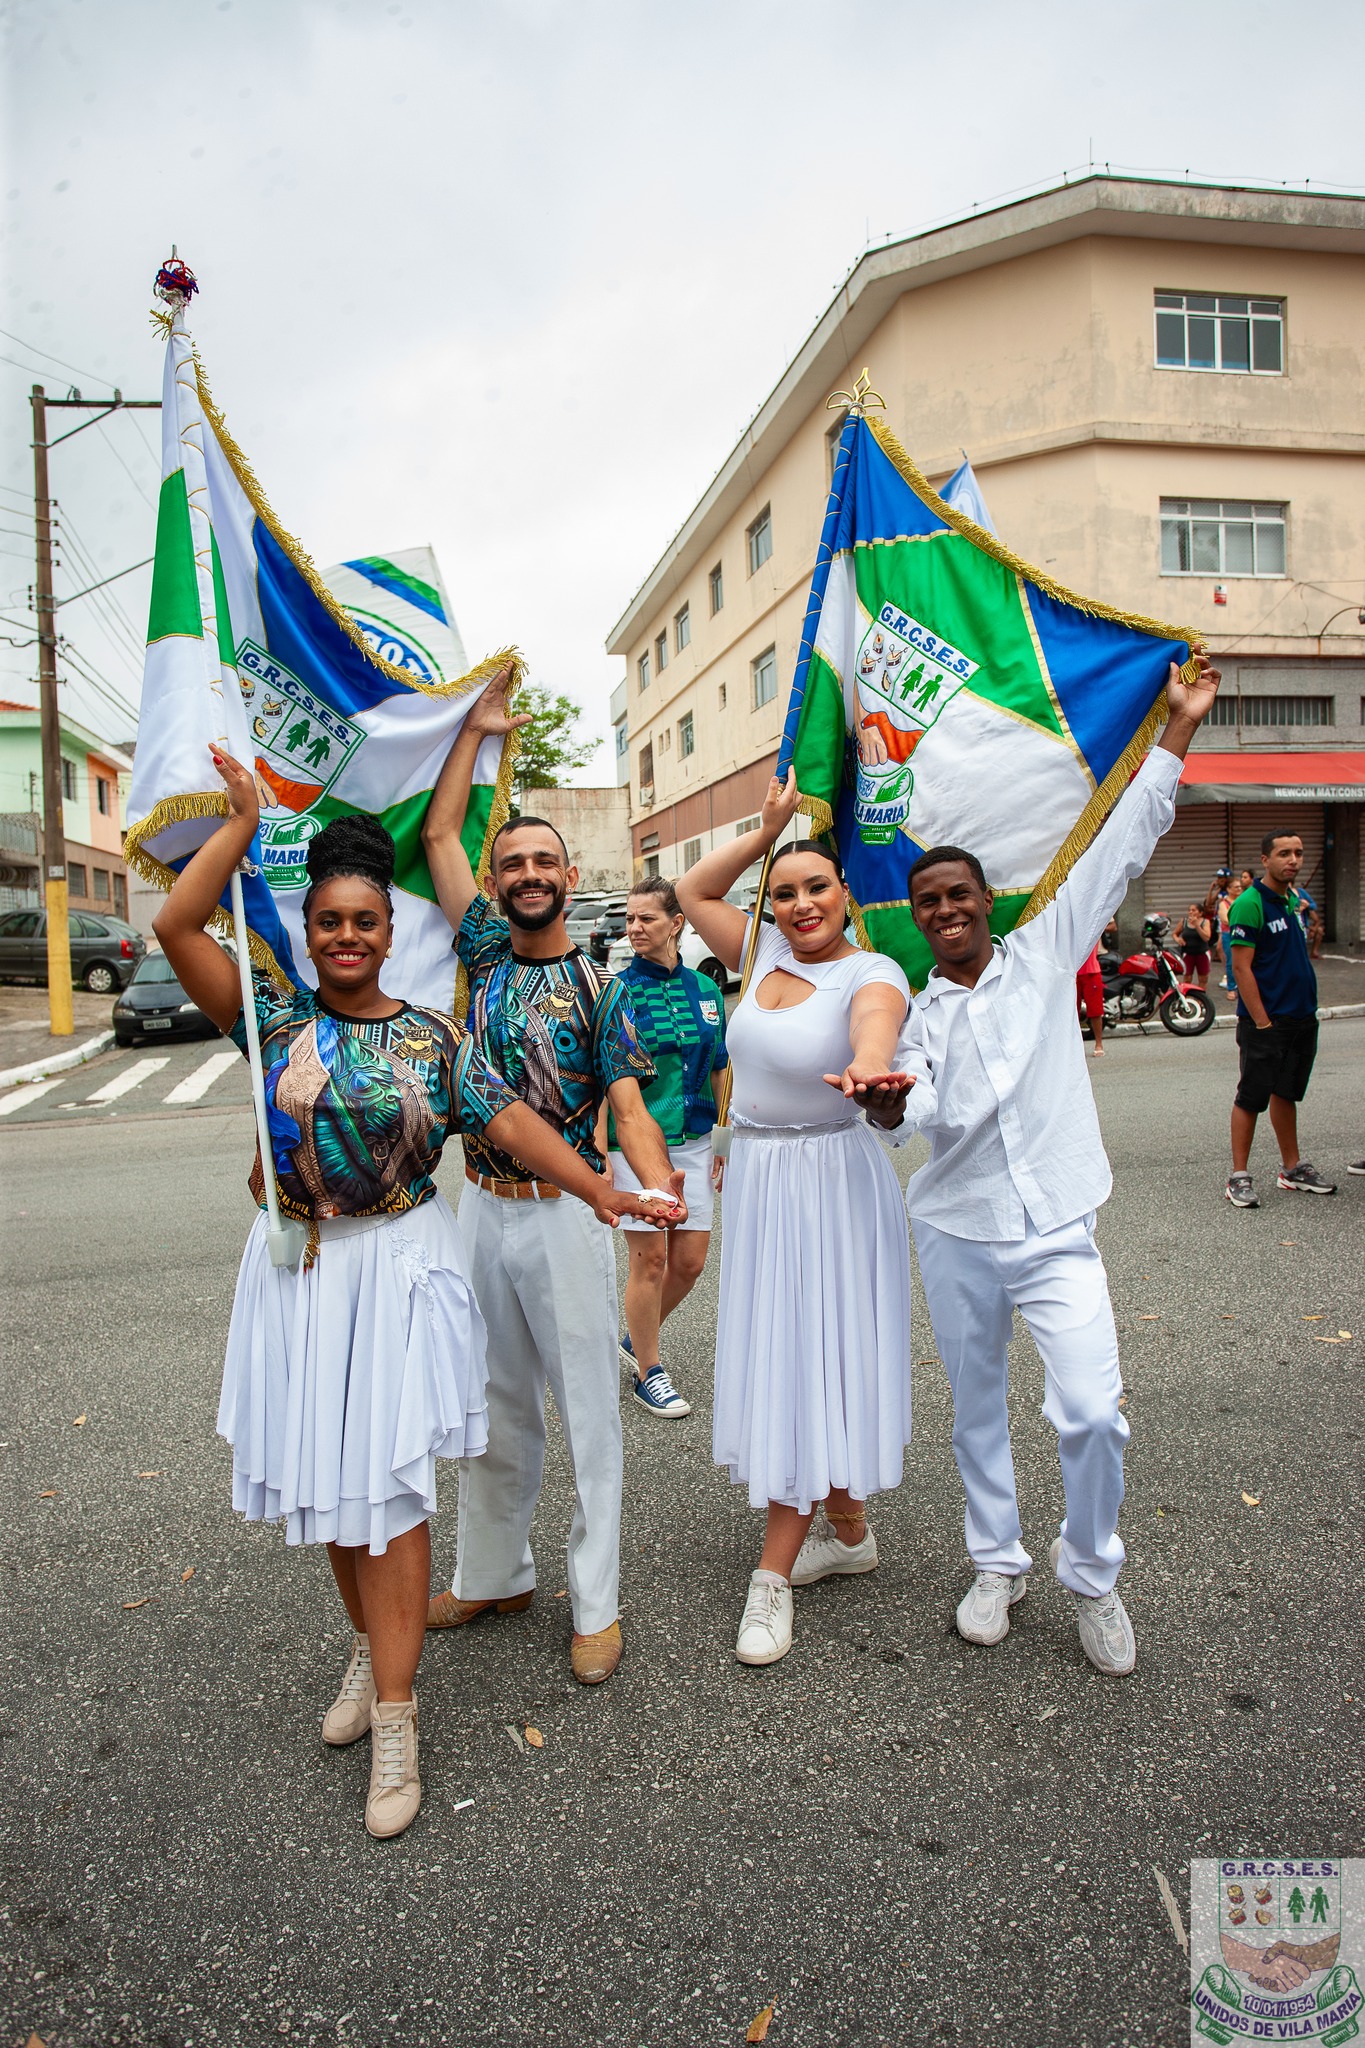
x=657, y=1392
x=627, y=1351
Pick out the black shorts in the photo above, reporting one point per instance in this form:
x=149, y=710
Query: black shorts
x=1275, y=1062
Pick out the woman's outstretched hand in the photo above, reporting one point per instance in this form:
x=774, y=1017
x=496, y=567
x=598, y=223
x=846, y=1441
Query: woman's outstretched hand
x=242, y=796
x=881, y=1094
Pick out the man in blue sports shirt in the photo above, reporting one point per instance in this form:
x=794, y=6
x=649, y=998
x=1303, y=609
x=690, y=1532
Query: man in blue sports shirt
x=1277, y=1020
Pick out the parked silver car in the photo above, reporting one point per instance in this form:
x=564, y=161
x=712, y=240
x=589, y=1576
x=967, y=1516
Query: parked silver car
x=104, y=950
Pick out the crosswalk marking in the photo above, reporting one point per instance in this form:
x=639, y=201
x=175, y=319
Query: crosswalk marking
x=202, y=1079
x=28, y=1093
x=131, y=1077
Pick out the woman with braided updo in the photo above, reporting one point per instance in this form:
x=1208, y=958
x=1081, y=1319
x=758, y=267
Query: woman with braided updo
x=348, y=1377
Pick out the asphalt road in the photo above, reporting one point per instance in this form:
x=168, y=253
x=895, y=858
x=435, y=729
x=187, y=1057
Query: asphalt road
x=895, y=1837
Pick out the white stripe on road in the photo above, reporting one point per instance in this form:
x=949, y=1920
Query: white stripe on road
x=131, y=1077
x=202, y=1079
x=21, y=1096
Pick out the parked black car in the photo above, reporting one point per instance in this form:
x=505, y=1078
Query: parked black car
x=609, y=926
x=104, y=950
x=154, y=1002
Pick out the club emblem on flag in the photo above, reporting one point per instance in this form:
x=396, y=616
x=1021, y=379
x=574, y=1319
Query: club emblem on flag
x=904, y=677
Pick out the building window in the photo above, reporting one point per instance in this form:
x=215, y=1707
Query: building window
x=661, y=653
x=666, y=740
x=721, y=695
x=761, y=539
x=717, y=589
x=1235, y=710
x=642, y=670
x=103, y=796
x=101, y=885
x=764, y=672
x=651, y=864
x=622, y=739
x=691, y=852
x=747, y=825
x=120, y=895
x=1221, y=537
x=682, y=628
x=686, y=735
x=75, y=878
x=1196, y=331
x=647, y=768
x=68, y=780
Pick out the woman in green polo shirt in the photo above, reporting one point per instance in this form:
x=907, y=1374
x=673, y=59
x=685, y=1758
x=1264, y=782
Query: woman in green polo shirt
x=680, y=1021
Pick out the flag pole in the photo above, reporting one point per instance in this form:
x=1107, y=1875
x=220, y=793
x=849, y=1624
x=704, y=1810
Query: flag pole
x=856, y=399
x=287, y=1238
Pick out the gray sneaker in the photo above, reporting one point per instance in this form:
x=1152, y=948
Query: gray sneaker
x=983, y=1615
x=1304, y=1179
x=1356, y=1166
x=1240, y=1192
x=1106, y=1632
x=823, y=1555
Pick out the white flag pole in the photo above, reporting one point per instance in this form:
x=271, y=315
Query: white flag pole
x=287, y=1238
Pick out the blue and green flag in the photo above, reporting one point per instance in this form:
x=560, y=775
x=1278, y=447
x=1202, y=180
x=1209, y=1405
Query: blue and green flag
x=947, y=693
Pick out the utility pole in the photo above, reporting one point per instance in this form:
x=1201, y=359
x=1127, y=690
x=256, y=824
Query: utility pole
x=61, y=1017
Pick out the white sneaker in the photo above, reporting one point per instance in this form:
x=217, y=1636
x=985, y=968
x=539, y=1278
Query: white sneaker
x=348, y=1717
x=824, y=1555
x=983, y=1615
x=1106, y=1632
x=765, y=1629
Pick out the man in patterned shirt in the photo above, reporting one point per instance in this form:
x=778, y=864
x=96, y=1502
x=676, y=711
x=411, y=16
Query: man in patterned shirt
x=562, y=1036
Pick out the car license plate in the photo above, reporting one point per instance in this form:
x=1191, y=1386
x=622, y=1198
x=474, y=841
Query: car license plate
x=156, y=1023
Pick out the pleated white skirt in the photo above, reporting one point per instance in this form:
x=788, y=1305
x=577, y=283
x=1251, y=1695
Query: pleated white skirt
x=345, y=1383
x=813, y=1346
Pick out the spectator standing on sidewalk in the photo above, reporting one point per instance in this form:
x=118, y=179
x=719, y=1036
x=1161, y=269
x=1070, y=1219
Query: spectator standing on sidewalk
x=1277, y=1020
x=1195, y=934
x=1090, y=999
x=1223, y=899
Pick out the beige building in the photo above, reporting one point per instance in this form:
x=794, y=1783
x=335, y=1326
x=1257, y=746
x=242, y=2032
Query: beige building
x=1162, y=390
x=593, y=823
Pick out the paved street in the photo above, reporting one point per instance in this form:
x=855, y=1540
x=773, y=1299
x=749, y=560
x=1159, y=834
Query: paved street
x=893, y=1836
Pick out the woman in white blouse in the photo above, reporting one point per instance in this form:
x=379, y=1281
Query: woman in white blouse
x=813, y=1350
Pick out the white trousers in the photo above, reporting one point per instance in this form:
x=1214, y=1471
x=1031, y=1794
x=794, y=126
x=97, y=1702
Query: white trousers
x=1056, y=1280
x=545, y=1280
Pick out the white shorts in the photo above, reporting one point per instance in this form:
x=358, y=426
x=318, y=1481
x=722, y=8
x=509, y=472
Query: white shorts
x=695, y=1160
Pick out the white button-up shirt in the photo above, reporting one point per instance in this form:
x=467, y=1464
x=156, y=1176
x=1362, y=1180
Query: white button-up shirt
x=1012, y=1120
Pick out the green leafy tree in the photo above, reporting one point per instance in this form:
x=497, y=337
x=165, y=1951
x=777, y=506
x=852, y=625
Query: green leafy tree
x=551, y=745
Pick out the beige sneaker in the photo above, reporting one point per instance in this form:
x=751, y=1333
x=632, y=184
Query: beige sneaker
x=348, y=1717
x=395, y=1788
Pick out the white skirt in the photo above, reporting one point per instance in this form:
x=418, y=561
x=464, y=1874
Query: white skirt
x=813, y=1344
x=345, y=1383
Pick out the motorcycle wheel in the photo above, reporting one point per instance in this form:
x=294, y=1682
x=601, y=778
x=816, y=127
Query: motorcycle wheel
x=1188, y=1012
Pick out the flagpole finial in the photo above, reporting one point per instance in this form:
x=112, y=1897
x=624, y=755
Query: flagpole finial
x=176, y=284
x=859, y=398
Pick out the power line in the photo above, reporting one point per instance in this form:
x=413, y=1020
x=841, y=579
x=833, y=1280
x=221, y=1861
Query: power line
x=34, y=350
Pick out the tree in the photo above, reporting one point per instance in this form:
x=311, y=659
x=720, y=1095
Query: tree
x=550, y=746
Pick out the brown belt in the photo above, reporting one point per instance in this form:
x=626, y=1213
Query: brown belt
x=515, y=1190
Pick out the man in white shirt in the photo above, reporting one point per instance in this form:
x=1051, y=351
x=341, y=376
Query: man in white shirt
x=1003, y=1214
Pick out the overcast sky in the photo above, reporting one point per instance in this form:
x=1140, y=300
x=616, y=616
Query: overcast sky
x=510, y=277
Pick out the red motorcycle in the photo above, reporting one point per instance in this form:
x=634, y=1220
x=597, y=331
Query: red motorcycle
x=1153, y=983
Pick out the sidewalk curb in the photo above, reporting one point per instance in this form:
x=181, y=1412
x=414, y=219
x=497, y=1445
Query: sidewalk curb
x=1220, y=1023
x=56, y=1063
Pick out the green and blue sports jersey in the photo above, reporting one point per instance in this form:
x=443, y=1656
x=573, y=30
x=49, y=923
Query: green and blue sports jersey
x=680, y=1017
x=557, y=1031
x=1273, y=925
x=360, y=1109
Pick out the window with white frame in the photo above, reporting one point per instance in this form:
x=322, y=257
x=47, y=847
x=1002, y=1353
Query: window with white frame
x=104, y=796
x=1212, y=331
x=622, y=738
x=717, y=589
x=661, y=653
x=1221, y=537
x=764, y=672
x=691, y=852
x=760, y=537
x=687, y=742
x=682, y=627
x=642, y=670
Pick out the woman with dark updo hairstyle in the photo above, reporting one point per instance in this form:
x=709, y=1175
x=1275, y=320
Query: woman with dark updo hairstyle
x=348, y=1377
